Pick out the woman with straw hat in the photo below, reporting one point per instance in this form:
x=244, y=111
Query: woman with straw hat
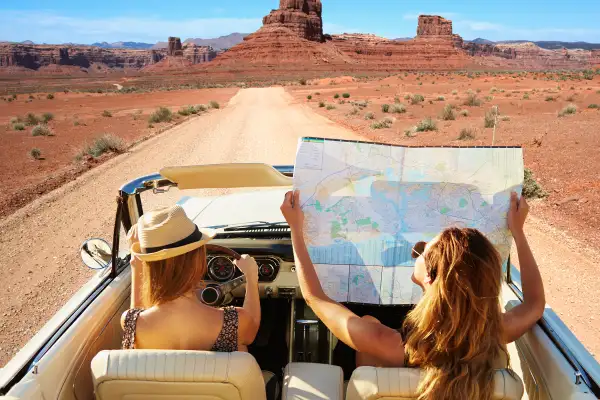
x=168, y=261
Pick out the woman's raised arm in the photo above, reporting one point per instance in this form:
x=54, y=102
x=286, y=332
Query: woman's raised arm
x=364, y=335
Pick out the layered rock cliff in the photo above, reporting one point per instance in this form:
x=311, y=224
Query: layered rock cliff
x=303, y=17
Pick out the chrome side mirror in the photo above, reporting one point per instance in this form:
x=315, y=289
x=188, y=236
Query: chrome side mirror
x=96, y=253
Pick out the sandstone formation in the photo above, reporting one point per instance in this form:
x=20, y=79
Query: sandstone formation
x=174, y=47
x=303, y=17
x=433, y=25
x=198, y=54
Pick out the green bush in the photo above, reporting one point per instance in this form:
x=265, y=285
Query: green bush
x=550, y=98
x=31, y=119
x=454, y=92
x=416, y=99
x=448, y=113
x=369, y=116
x=467, y=134
x=526, y=96
x=302, y=81
x=201, y=108
x=16, y=120
x=19, y=126
x=106, y=143
x=398, y=108
x=162, y=114
x=321, y=104
x=336, y=96
x=346, y=95
x=472, y=101
x=106, y=113
x=385, y=108
x=189, y=110
x=568, y=110
x=35, y=153
x=441, y=98
x=330, y=107
x=50, y=96
x=464, y=113
x=41, y=130
x=407, y=97
x=214, y=104
x=596, y=106
x=383, y=124
x=309, y=97
x=531, y=188
x=47, y=117
x=428, y=124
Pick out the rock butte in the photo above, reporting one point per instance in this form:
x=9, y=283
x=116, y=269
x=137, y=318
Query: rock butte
x=292, y=40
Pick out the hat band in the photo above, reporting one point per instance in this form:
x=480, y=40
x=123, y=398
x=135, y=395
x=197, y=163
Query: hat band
x=196, y=236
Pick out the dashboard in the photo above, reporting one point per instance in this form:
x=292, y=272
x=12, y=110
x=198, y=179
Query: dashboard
x=222, y=269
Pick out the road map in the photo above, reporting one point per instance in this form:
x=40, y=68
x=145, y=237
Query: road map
x=367, y=204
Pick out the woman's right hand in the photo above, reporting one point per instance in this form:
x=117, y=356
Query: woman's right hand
x=249, y=268
x=292, y=211
x=517, y=214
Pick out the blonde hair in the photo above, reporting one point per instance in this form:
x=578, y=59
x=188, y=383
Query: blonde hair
x=455, y=333
x=169, y=279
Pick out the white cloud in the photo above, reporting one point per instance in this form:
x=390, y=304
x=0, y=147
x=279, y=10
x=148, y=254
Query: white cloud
x=54, y=28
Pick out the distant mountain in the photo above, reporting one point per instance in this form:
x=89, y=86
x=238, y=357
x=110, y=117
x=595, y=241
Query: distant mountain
x=403, y=39
x=124, y=45
x=220, y=43
x=550, y=45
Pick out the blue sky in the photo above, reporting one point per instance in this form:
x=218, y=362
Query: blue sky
x=88, y=21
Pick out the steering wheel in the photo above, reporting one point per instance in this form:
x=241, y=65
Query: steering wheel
x=216, y=295
x=221, y=249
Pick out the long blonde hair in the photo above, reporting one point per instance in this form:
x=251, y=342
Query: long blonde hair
x=455, y=333
x=169, y=279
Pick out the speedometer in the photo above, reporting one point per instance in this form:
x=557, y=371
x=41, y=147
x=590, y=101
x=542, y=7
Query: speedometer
x=221, y=269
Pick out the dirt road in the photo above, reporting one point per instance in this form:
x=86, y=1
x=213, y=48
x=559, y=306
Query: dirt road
x=40, y=268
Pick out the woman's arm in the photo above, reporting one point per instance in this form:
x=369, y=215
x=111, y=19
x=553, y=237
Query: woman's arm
x=364, y=335
x=521, y=318
x=249, y=314
x=136, y=276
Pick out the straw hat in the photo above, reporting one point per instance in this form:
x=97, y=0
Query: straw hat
x=166, y=233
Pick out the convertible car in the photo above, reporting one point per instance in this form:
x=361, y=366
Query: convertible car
x=77, y=356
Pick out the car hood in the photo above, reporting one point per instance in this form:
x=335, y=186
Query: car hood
x=236, y=208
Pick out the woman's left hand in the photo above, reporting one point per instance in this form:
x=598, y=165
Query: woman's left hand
x=291, y=210
x=132, y=238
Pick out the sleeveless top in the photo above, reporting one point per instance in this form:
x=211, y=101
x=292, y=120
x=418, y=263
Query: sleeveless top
x=226, y=342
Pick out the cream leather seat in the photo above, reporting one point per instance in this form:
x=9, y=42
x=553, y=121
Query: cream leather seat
x=174, y=374
x=370, y=383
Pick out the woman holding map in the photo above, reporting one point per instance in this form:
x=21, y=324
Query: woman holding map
x=457, y=332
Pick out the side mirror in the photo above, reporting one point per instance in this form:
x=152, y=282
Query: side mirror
x=96, y=253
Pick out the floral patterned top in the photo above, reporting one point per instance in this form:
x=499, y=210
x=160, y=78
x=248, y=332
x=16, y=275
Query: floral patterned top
x=226, y=342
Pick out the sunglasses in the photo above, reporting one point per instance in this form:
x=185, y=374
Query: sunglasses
x=418, y=249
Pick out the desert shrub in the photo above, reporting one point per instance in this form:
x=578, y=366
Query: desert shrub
x=407, y=97
x=317, y=93
x=526, y=96
x=472, y=101
x=16, y=120
x=76, y=123
x=31, y=119
x=531, y=188
x=588, y=74
x=360, y=104
x=346, y=95
x=410, y=132
x=106, y=143
x=568, y=110
x=505, y=118
x=489, y=98
x=50, y=96
x=201, y=108
x=464, y=113
x=336, y=96
x=550, y=98
x=309, y=97
x=398, y=108
x=416, y=99
x=383, y=124
x=185, y=111
x=396, y=99
x=302, y=81
x=428, y=124
x=369, y=116
x=41, y=130
x=596, y=106
x=162, y=114
x=385, y=108
x=493, y=90
x=214, y=104
x=354, y=111
x=571, y=97
x=330, y=107
x=441, y=98
x=467, y=134
x=18, y=126
x=478, y=90
x=489, y=120
x=47, y=117
x=35, y=153
x=106, y=113
x=448, y=114
x=454, y=92
x=14, y=96
x=321, y=104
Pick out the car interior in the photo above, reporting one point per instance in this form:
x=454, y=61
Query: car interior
x=78, y=354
